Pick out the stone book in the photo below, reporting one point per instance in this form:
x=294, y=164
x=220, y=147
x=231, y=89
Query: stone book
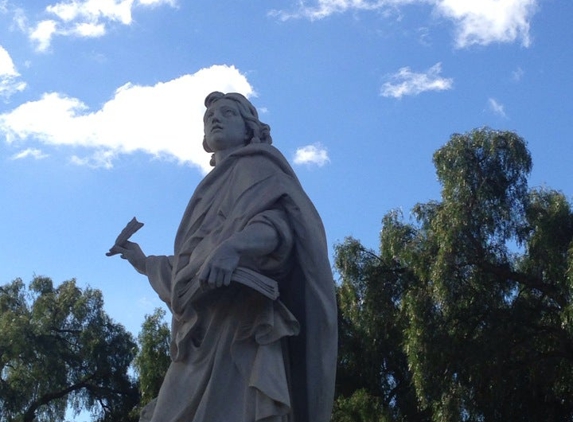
x=262, y=284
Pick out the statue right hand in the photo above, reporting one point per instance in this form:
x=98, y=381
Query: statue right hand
x=134, y=255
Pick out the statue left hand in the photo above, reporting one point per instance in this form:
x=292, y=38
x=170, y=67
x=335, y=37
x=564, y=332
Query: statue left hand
x=218, y=268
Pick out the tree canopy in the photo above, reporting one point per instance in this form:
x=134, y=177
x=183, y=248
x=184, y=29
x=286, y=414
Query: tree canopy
x=153, y=358
x=60, y=350
x=465, y=313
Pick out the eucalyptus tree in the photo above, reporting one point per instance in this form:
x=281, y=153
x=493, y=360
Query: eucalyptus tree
x=374, y=383
x=489, y=334
x=59, y=350
x=153, y=358
x=484, y=280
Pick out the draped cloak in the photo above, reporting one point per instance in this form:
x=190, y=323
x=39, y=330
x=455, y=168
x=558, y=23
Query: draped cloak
x=238, y=356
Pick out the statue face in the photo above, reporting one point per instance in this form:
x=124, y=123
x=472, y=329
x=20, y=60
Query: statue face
x=224, y=126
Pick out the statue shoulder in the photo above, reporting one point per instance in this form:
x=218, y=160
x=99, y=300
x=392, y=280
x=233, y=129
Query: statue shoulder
x=260, y=163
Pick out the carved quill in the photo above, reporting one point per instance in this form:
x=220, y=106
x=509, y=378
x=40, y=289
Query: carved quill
x=124, y=236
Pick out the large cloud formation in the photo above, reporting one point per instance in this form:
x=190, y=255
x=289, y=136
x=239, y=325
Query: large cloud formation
x=165, y=120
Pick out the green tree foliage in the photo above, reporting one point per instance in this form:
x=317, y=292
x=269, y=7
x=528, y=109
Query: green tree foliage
x=359, y=407
x=483, y=279
x=373, y=369
x=153, y=358
x=59, y=350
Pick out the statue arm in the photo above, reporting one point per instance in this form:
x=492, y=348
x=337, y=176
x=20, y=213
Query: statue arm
x=159, y=272
x=156, y=268
x=265, y=234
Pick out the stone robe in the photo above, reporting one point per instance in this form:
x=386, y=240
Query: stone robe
x=238, y=356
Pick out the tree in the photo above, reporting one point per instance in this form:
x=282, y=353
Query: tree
x=372, y=376
x=485, y=280
x=359, y=407
x=153, y=358
x=60, y=350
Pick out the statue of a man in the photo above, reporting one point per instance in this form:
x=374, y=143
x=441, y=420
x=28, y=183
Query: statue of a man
x=239, y=355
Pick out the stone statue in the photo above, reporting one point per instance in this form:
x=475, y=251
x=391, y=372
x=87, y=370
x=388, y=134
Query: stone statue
x=248, y=235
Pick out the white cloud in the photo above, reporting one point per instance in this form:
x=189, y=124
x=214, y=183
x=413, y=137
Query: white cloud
x=325, y=8
x=496, y=107
x=406, y=82
x=85, y=18
x=172, y=3
x=89, y=30
x=30, y=152
x=486, y=21
x=42, y=34
x=9, y=83
x=164, y=120
x=312, y=154
x=476, y=21
x=7, y=67
x=93, y=11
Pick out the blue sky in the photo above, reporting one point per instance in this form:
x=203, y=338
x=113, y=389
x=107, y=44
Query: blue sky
x=101, y=112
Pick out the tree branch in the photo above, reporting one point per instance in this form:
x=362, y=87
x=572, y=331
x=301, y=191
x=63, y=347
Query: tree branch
x=504, y=271
x=30, y=413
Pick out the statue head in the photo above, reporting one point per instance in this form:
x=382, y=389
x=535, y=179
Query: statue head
x=258, y=132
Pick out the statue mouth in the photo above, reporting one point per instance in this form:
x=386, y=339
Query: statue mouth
x=216, y=127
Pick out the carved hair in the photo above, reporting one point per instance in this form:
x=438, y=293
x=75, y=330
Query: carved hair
x=259, y=132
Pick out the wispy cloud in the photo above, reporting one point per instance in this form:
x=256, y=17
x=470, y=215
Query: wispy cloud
x=84, y=18
x=98, y=159
x=406, y=82
x=517, y=74
x=9, y=76
x=312, y=154
x=325, y=8
x=476, y=21
x=149, y=304
x=496, y=107
x=164, y=120
x=30, y=152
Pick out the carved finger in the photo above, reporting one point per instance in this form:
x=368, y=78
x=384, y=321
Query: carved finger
x=227, y=278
